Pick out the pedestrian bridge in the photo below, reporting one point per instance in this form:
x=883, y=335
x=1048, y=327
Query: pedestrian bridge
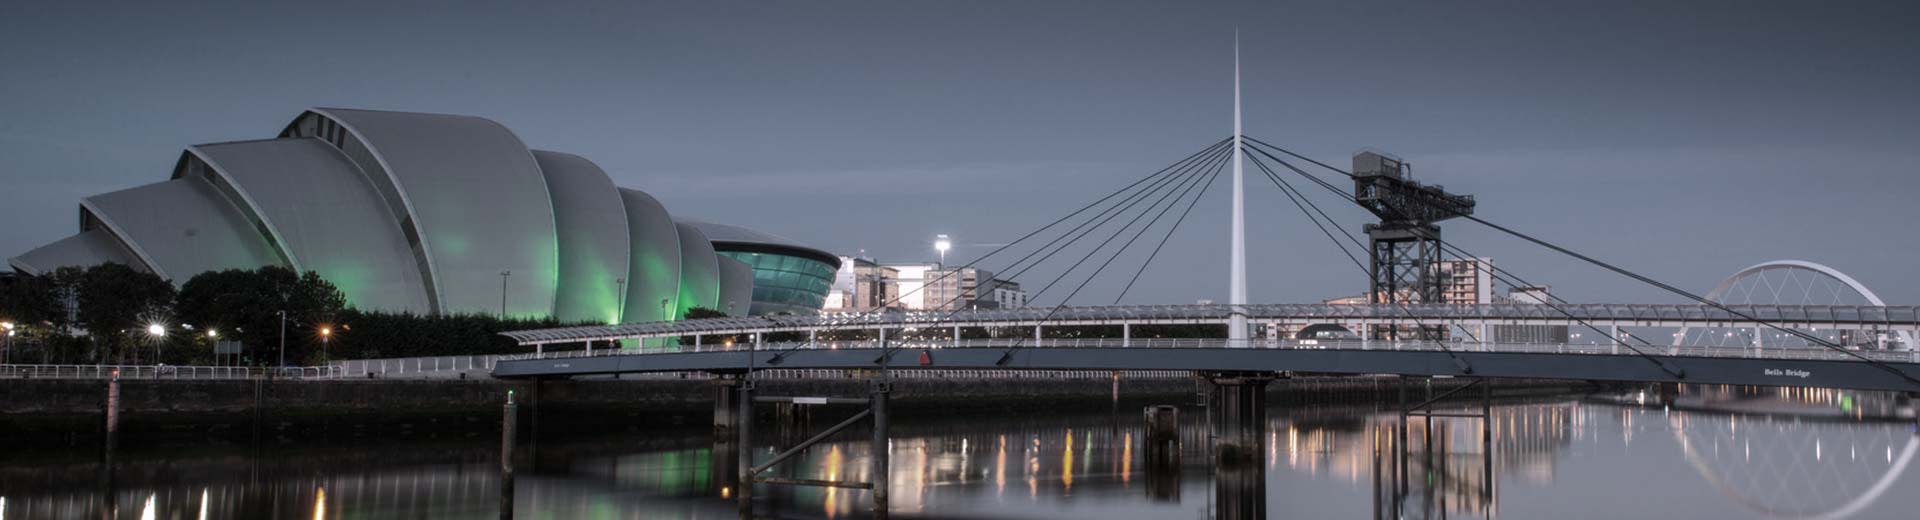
x=1893, y=371
x=1899, y=318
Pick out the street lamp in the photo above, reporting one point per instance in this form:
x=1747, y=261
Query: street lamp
x=283, y=337
x=157, y=330
x=503, y=292
x=6, y=353
x=326, y=334
x=942, y=244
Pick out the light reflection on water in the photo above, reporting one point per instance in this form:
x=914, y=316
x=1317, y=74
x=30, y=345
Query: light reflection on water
x=1708, y=453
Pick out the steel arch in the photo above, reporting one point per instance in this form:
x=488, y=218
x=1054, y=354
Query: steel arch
x=1906, y=338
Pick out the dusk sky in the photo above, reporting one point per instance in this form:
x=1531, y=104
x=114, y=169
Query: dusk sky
x=1684, y=140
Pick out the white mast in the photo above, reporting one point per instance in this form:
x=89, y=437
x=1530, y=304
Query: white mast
x=1237, y=284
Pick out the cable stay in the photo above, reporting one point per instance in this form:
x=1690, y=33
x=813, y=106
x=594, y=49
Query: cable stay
x=1210, y=177
x=1133, y=191
x=1662, y=365
x=1300, y=201
x=1610, y=267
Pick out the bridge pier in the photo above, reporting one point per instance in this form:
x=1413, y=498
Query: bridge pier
x=726, y=399
x=1240, y=415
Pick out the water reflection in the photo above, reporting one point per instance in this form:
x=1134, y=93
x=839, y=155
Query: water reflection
x=1712, y=452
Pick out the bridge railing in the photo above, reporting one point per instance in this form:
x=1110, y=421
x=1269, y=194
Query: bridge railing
x=162, y=372
x=1807, y=353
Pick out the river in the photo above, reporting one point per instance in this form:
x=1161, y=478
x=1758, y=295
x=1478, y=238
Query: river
x=1710, y=453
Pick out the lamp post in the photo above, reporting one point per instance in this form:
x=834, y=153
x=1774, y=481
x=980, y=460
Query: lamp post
x=213, y=338
x=157, y=332
x=283, y=337
x=942, y=244
x=663, y=310
x=326, y=334
x=503, y=292
x=6, y=353
x=621, y=293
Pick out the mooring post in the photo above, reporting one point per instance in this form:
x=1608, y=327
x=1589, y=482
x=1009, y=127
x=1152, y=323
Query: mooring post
x=743, y=425
x=509, y=422
x=1486, y=439
x=1126, y=335
x=882, y=449
x=111, y=418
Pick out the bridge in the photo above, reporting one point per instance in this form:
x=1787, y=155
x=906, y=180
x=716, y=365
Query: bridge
x=1814, y=326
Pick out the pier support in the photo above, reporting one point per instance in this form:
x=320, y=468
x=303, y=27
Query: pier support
x=1240, y=415
x=726, y=397
x=743, y=426
x=1163, y=453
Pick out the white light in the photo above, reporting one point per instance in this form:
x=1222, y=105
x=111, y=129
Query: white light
x=156, y=330
x=213, y=333
x=6, y=325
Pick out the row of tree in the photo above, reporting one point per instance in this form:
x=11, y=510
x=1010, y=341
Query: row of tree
x=111, y=313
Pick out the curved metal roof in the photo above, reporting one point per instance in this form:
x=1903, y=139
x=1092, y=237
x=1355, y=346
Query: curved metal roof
x=182, y=227
x=474, y=194
x=85, y=249
x=323, y=213
x=592, y=225
x=699, y=271
x=653, y=272
x=736, y=286
x=728, y=237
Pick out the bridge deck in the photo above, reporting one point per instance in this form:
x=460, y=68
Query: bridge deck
x=1705, y=366
x=1890, y=318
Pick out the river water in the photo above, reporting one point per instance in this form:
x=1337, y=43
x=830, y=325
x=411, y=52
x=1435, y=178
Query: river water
x=1709, y=453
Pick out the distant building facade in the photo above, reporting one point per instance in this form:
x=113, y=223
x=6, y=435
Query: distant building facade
x=862, y=284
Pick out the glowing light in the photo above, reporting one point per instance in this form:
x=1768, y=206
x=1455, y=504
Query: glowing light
x=319, y=503
x=203, y=504
x=156, y=330
x=9, y=326
x=146, y=511
x=1066, y=462
x=326, y=331
x=213, y=333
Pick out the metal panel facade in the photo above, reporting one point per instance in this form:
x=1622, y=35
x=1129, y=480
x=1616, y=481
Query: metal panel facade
x=326, y=216
x=592, y=222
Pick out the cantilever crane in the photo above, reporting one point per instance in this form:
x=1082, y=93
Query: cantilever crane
x=1405, y=248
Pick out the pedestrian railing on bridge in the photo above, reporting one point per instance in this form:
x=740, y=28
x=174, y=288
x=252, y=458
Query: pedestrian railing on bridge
x=1799, y=353
x=162, y=372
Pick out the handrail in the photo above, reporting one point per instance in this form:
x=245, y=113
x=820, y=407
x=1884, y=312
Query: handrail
x=1343, y=344
x=163, y=372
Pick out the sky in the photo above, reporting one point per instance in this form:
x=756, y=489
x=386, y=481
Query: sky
x=1683, y=140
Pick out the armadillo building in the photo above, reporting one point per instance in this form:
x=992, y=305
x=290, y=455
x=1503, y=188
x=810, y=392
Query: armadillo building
x=419, y=213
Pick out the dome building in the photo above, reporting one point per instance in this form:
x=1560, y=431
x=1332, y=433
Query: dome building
x=428, y=214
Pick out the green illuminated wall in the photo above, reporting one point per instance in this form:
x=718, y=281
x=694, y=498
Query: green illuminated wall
x=653, y=269
x=592, y=222
x=699, y=272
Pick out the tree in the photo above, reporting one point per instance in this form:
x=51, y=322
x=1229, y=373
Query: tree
x=246, y=306
x=118, y=303
x=29, y=300
x=701, y=313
